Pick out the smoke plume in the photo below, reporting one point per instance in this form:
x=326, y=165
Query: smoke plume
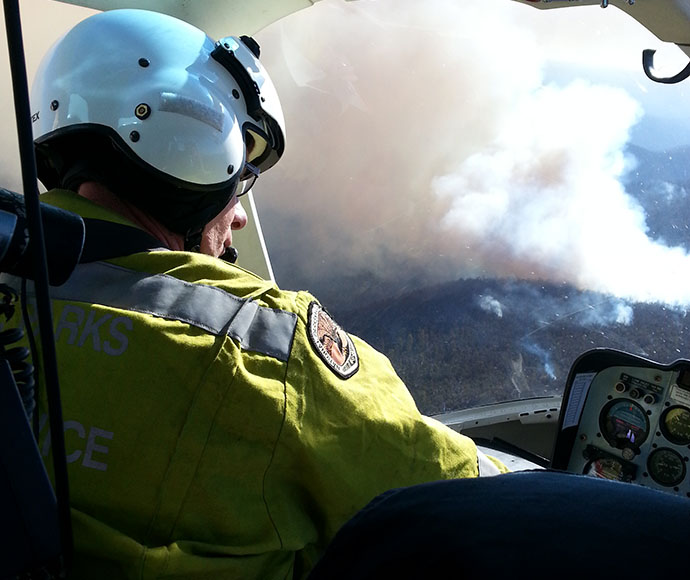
x=425, y=144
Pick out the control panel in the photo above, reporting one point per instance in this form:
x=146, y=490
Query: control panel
x=628, y=419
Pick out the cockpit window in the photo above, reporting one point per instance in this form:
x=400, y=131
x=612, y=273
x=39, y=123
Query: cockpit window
x=482, y=190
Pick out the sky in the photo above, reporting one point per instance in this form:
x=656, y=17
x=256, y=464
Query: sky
x=430, y=141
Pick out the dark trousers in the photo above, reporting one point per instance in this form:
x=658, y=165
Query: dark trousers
x=536, y=524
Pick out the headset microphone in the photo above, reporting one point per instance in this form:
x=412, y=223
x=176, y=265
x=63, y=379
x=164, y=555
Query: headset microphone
x=230, y=255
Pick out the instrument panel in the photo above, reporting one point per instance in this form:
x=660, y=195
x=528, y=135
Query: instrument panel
x=628, y=419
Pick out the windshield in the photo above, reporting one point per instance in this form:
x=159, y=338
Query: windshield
x=481, y=190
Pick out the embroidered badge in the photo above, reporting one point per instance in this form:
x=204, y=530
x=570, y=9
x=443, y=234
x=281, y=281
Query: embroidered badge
x=332, y=343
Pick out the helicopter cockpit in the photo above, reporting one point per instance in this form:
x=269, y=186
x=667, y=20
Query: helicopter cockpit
x=494, y=196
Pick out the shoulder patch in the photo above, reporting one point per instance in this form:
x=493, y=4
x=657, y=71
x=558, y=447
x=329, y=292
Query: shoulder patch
x=332, y=343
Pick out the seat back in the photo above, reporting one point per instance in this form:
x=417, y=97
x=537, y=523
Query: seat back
x=29, y=527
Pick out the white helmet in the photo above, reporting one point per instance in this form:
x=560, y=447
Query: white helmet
x=157, y=110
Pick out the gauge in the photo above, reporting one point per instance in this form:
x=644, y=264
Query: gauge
x=675, y=425
x=666, y=467
x=624, y=424
x=608, y=468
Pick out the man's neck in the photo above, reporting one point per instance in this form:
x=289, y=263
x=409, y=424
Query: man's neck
x=100, y=194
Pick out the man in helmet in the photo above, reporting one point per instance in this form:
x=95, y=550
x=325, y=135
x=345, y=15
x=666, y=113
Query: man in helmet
x=216, y=426
x=162, y=125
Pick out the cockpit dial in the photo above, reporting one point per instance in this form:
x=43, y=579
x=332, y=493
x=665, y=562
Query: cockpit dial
x=624, y=424
x=666, y=467
x=675, y=425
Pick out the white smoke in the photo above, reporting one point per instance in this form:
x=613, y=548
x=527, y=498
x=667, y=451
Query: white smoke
x=381, y=97
x=624, y=314
x=672, y=192
x=543, y=355
x=422, y=137
x=544, y=199
x=603, y=313
x=490, y=304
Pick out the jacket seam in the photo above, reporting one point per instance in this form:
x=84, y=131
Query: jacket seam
x=274, y=451
x=208, y=434
x=178, y=442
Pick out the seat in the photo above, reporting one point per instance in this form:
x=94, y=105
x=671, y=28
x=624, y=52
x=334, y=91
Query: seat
x=29, y=530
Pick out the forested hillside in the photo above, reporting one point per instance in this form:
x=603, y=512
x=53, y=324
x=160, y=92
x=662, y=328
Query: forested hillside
x=473, y=342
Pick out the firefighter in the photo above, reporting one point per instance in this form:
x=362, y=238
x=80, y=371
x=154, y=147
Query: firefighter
x=216, y=426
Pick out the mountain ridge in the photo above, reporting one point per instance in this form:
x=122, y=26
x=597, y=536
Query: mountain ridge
x=477, y=341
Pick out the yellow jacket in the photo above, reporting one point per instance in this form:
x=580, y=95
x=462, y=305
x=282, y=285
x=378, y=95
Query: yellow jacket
x=208, y=433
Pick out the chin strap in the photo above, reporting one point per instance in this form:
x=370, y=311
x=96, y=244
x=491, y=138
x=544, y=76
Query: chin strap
x=192, y=241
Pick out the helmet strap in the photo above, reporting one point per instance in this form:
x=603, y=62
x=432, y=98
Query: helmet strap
x=192, y=241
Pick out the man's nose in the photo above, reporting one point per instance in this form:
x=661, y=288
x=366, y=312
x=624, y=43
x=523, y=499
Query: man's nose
x=240, y=218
